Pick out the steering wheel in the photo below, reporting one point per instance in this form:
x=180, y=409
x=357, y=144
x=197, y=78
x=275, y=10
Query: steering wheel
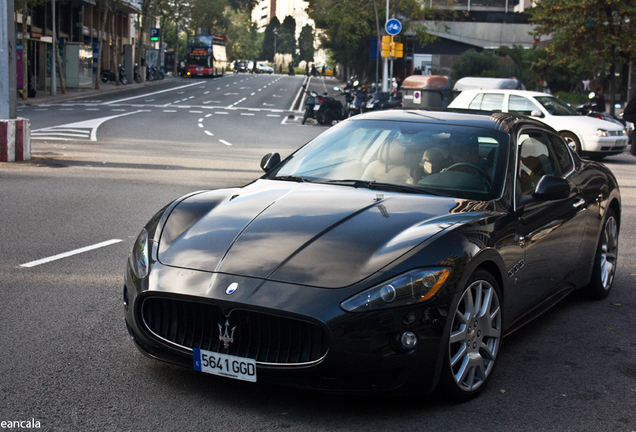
x=477, y=170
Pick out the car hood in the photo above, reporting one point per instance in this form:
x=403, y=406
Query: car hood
x=310, y=234
x=579, y=122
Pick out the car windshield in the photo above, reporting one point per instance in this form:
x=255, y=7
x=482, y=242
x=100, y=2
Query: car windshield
x=199, y=60
x=427, y=158
x=556, y=107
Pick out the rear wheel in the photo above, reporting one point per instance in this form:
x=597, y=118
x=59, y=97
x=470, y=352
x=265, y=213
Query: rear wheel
x=605, y=261
x=474, y=340
x=572, y=141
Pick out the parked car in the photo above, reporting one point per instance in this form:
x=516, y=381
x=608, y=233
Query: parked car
x=587, y=136
x=262, y=67
x=390, y=254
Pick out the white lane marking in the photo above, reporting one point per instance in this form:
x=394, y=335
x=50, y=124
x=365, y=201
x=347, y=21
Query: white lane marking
x=70, y=253
x=225, y=142
x=200, y=125
x=119, y=109
x=169, y=110
x=207, y=115
x=273, y=115
x=93, y=124
x=247, y=114
x=196, y=112
x=207, y=92
x=221, y=112
x=209, y=133
x=200, y=120
x=151, y=94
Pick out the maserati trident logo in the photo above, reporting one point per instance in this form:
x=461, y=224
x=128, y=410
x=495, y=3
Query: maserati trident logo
x=230, y=290
x=227, y=336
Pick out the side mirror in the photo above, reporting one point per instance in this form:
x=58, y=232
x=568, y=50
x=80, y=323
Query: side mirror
x=269, y=161
x=551, y=188
x=536, y=113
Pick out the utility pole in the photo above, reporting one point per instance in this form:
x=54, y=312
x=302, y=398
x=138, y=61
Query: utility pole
x=385, y=61
x=8, y=86
x=53, y=54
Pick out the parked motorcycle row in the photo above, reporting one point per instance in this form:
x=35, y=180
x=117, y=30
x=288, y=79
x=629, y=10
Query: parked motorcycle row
x=359, y=98
x=151, y=75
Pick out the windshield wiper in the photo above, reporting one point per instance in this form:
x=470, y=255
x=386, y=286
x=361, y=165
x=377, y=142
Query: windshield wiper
x=292, y=178
x=390, y=187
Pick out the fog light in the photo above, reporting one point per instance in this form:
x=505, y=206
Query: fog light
x=408, y=340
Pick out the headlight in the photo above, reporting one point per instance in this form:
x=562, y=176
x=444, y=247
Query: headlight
x=602, y=133
x=139, y=255
x=624, y=131
x=414, y=287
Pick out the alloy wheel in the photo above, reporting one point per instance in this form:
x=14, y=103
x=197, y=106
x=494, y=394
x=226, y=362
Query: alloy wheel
x=609, y=247
x=475, y=336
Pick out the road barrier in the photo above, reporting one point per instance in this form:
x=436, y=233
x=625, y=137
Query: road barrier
x=15, y=140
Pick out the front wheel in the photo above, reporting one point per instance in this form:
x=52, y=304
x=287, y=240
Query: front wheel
x=474, y=339
x=573, y=142
x=123, y=80
x=605, y=260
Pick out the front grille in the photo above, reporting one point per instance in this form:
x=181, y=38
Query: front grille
x=268, y=339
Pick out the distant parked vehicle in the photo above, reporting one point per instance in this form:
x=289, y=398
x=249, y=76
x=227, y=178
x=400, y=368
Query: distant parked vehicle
x=586, y=135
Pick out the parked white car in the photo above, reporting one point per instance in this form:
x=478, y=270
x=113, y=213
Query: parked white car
x=264, y=68
x=586, y=135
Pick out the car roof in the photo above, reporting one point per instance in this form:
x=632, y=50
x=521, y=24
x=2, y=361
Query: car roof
x=529, y=93
x=504, y=122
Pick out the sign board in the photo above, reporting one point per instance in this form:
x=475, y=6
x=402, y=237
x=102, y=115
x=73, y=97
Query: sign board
x=417, y=97
x=393, y=27
x=154, y=34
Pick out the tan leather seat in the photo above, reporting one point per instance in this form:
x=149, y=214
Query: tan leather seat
x=395, y=164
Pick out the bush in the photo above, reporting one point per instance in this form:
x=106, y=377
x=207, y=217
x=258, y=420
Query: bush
x=572, y=98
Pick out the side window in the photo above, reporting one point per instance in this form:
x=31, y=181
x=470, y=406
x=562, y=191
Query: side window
x=476, y=103
x=521, y=105
x=536, y=159
x=561, y=154
x=492, y=102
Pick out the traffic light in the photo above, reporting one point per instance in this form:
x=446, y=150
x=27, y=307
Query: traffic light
x=397, y=48
x=386, y=46
x=391, y=47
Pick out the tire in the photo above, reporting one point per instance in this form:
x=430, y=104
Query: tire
x=138, y=79
x=324, y=118
x=605, y=260
x=103, y=78
x=160, y=76
x=305, y=116
x=123, y=80
x=474, y=339
x=572, y=141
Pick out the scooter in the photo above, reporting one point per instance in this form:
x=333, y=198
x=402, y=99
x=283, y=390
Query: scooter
x=106, y=75
x=330, y=109
x=310, y=105
x=380, y=101
x=592, y=109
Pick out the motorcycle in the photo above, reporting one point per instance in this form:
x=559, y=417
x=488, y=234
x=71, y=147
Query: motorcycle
x=591, y=108
x=330, y=109
x=137, y=77
x=380, y=101
x=151, y=74
x=106, y=75
x=310, y=105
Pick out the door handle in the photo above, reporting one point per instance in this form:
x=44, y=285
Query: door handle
x=579, y=203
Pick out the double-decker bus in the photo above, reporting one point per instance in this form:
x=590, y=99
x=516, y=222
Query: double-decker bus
x=206, y=56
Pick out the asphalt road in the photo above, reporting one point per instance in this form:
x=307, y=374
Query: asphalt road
x=66, y=360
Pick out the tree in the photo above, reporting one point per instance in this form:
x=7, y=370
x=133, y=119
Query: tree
x=306, y=44
x=349, y=24
x=477, y=64
x=287, y=36
x=598, y=32
x=243, y=39
x=268, y=49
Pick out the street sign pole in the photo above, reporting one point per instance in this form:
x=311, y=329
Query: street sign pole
x=7, y=61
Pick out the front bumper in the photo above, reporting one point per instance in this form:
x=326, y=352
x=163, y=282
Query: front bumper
x=608, y=145
x=361, y=351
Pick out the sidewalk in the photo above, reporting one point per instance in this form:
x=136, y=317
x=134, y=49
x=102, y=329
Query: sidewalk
x=43, y=97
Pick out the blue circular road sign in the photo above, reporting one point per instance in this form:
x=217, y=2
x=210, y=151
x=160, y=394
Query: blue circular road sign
x=393, y=27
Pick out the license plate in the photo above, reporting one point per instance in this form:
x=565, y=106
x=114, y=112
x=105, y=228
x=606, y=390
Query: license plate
x=316, y=107
x=228, y=366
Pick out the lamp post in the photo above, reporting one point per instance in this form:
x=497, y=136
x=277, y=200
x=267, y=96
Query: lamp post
x=275, y=36
x=53, y=56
